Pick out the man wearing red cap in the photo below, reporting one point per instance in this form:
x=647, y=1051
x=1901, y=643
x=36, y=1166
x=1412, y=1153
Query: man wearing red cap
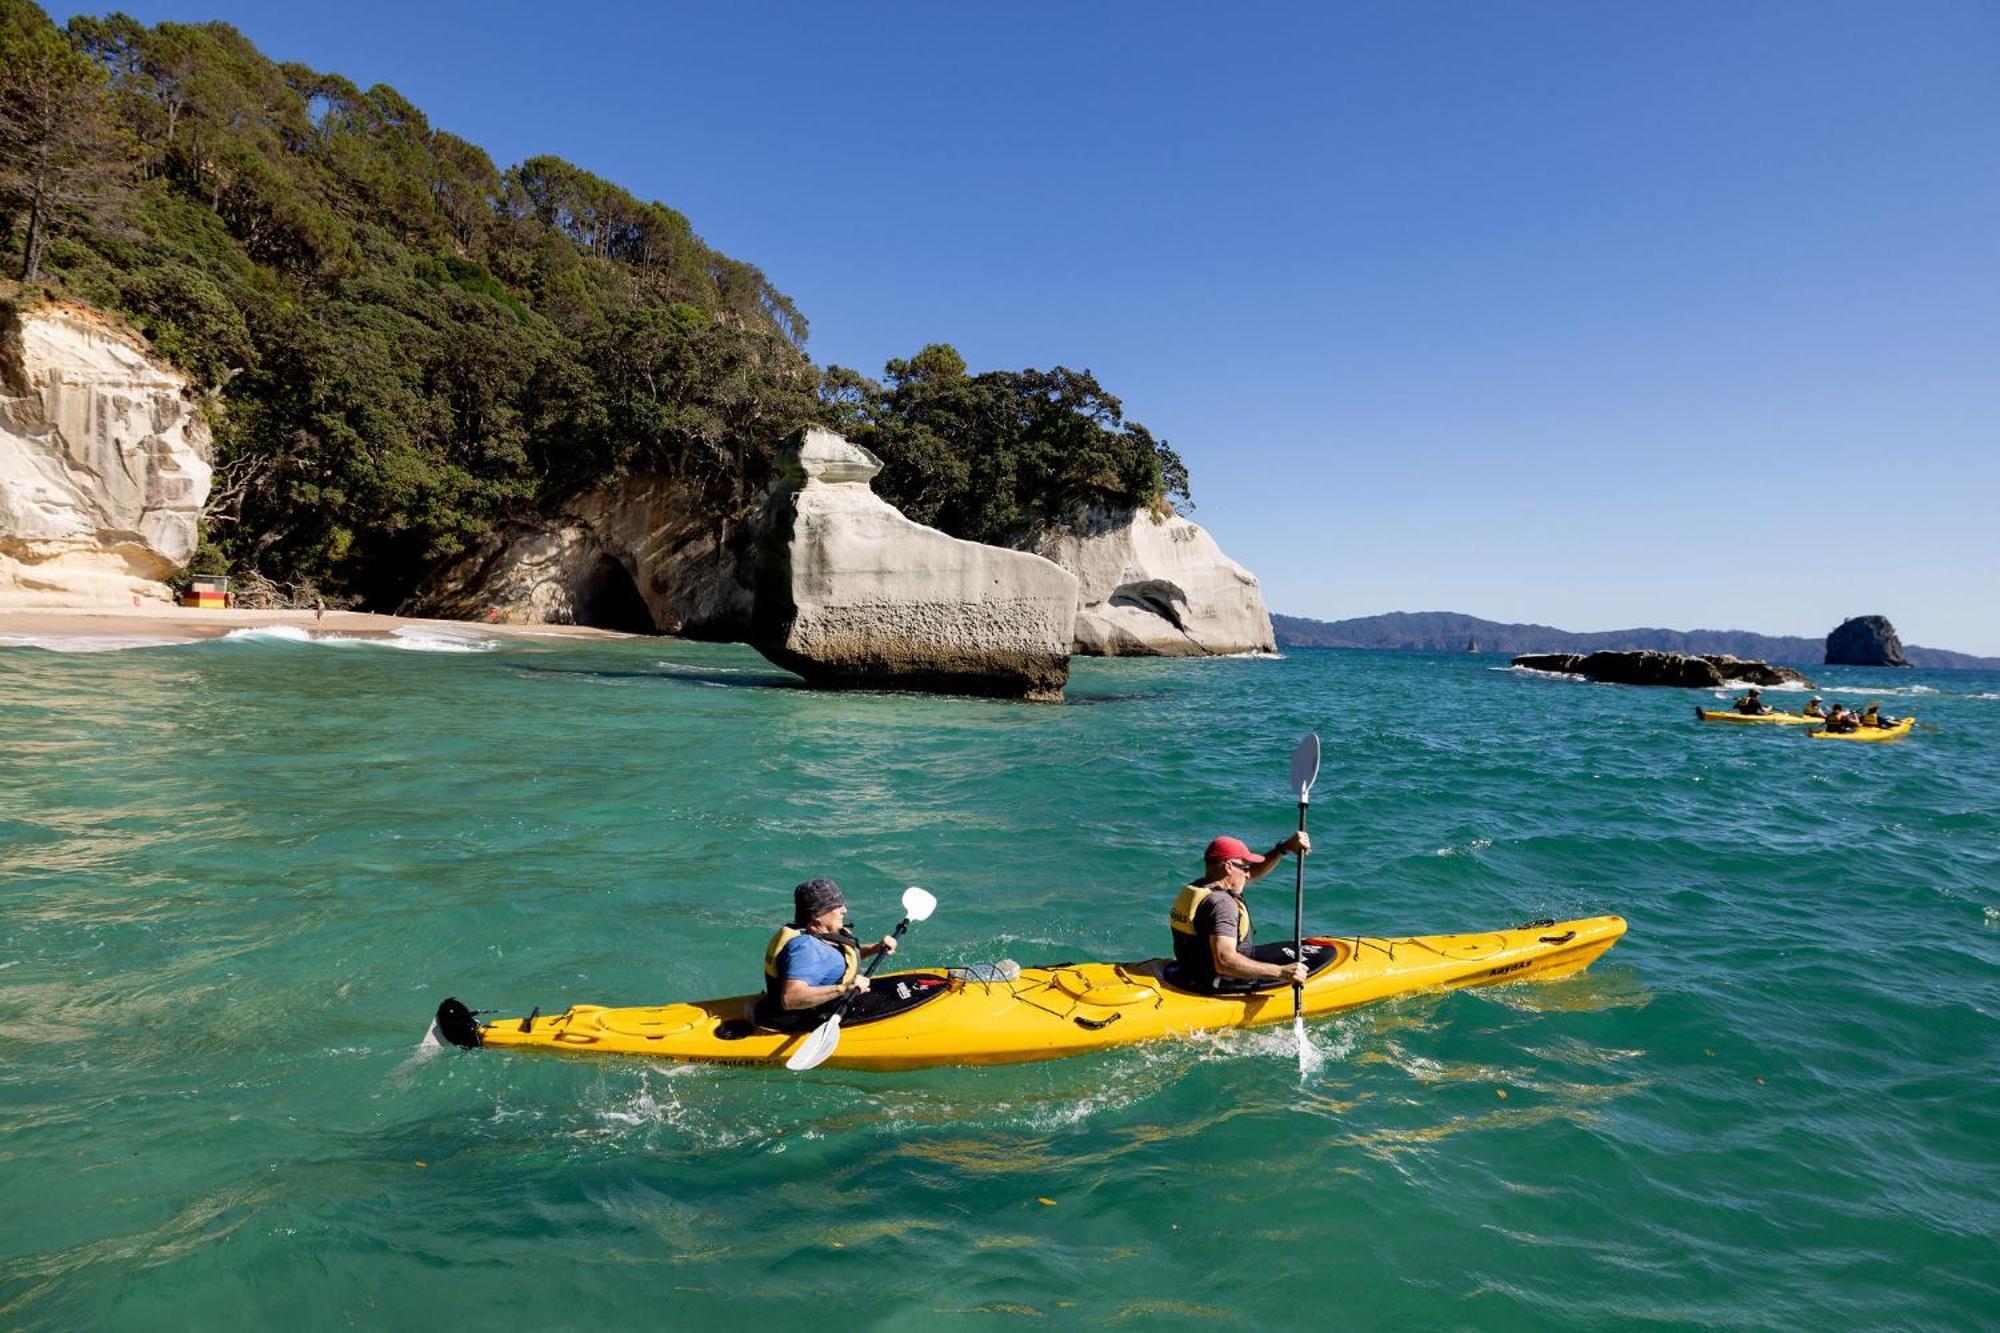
x=1211, y=922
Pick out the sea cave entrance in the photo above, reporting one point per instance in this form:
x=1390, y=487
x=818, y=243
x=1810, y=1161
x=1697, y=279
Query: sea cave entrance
x=607, y=598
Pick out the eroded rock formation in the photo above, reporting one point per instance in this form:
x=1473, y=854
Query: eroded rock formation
x=1156, y=585
x=645, y=555
x=851, y=593
x=1865, y=641
x=1650, y=668
x=104, y=463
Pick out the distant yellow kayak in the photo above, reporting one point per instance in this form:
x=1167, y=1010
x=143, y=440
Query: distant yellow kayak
x=921, y=1019
x=1780, y=719
x=1895, y=733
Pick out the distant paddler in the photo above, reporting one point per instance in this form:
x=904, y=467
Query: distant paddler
x=1842, y=719
x=1211, y=922
x=814, y=961
x=1752, y=704
x=1813, y=708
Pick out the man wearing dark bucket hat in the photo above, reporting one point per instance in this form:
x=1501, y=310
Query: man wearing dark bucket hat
x=814, y=962
x=1211, y=922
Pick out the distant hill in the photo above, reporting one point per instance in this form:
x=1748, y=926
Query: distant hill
x=1451, y=632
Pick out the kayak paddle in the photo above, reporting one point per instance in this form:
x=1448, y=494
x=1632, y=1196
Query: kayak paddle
x=1305, y=770
x=917, y=906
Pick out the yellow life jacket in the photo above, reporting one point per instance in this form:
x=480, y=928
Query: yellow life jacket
x=1181, y=916
x=774, y=980
x=1191, y=951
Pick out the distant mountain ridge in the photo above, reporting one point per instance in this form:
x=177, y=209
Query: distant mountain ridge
x=1451, y=632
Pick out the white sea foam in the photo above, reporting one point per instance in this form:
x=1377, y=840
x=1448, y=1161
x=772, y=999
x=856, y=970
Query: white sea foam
x=713, y=670
x=1545, y=675
x=407, y=638
x=1984, y=694
x=268, y=634
x=90, y=643
x=429, y=639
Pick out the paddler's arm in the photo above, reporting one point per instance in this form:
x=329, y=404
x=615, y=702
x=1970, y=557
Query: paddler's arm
x=887, y=944
x=1229, y=963
x=800, y=995
x=1298, y=842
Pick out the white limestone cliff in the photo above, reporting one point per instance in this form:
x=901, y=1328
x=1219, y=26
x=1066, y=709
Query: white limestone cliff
x=104, y=463
x=1156, y=585
x=849, y=592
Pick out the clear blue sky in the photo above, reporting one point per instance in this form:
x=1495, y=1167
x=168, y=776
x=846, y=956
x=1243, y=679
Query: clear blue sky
x=1566, y=312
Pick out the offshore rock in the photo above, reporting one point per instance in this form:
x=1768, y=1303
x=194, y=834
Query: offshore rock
x=645, y=556
x=1865, y=641
x=104, y=463
x=1155, y=585
x=850, y=593
x=1672, y=669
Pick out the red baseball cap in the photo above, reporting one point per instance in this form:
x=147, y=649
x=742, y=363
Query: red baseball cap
x=1231, y=849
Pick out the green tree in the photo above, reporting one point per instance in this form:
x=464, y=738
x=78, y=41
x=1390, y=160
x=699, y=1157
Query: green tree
x=62, y=161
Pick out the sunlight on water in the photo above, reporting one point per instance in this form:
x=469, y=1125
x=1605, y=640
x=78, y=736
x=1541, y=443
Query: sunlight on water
x=241, y=874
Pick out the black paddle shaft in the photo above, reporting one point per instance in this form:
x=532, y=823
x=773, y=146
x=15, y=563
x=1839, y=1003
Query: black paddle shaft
x=1299, y=921
x=869, y=971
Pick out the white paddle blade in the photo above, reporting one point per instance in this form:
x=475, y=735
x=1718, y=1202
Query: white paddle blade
x=1305, y=766
x=812, y=1052
x=918, y=904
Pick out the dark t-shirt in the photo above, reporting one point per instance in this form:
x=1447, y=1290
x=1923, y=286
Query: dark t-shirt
x=1220, y=913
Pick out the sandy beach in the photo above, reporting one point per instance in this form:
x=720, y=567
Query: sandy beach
x=168, y=623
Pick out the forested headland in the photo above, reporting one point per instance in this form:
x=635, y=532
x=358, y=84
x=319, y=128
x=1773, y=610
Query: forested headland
x=403, y=345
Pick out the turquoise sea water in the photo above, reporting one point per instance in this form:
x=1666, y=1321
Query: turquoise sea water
x=236, y=877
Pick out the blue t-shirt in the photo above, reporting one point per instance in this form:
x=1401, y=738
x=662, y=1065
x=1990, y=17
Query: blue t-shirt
x=812, y=961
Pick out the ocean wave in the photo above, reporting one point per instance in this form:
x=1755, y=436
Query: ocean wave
x=713, y=670
x=1535, y=671
x=425, y=639
x=407, y=638
x=90, y=643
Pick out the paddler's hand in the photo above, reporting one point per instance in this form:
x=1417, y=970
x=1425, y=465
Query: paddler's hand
x=858, y=986
x=1298, y=842
x=1293, y=972
x=887, y=944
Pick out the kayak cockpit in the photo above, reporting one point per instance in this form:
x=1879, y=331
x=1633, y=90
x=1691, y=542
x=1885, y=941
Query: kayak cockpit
x=1320, y=954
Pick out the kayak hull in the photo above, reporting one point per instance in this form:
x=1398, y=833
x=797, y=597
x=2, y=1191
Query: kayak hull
x=1068, y=1008
x=1774, y=719
x=1895, y=733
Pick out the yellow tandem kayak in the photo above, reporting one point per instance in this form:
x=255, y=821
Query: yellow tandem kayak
x=1780, y=719
x=1892, y=733
x=925, y=1018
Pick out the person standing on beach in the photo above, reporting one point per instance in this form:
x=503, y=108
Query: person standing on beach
x=814, y=962
x=1211, y=922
